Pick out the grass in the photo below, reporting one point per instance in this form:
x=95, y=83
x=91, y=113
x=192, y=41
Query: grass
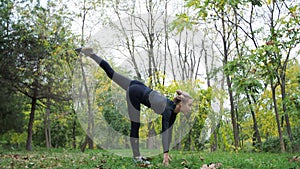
x=96, y=159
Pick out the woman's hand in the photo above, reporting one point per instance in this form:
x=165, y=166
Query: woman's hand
x=167, y=159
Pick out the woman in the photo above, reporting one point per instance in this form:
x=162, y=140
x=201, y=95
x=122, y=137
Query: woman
x=136, y=94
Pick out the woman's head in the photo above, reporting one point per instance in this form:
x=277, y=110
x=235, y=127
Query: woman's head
x=184, y=100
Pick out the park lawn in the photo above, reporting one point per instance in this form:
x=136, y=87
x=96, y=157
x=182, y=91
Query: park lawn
x=96, y=159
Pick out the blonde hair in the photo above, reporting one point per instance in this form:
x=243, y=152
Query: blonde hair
x=181, y=97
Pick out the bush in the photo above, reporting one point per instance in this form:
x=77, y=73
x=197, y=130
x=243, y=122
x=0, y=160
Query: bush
x=272, y=145
x=296, y=137
x=13, y=139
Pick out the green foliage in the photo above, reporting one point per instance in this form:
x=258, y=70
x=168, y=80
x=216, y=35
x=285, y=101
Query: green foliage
x=183, y=21
x=204, y=109
x=12, y=139
x=271, y=145
x=110, y=107
x=11, y=110
x=244, y=77
x=18, y=139
x=12, y=117
x=296, y=136
x=114, y=117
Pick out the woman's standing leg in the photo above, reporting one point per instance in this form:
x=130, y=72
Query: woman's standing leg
x=134, y=106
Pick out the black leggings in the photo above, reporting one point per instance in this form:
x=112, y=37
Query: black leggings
x=136, y=93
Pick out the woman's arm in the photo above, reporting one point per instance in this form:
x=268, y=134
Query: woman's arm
x=168, y=119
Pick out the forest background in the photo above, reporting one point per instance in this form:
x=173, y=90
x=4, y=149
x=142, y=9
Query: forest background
x=240, y=59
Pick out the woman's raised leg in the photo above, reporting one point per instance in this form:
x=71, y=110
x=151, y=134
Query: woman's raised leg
x=121, y=80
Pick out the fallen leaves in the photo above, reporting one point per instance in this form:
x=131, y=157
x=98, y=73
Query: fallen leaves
x=295, y=159
x=185, y=163
x=93, y=158
x=144, y=165
x=211, y=166
x=101, y=166
x=101, y=160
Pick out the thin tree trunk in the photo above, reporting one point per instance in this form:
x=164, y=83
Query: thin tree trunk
x=282, y=147
x=225, y=41
x=46, y=128
x=215, y=133
x=129, y=40
x=232, y=113
x=88, y=139
x=273, y=86
x=286, y=116
x=283, y=96
x=83, y=146
x=256, y=136
x=74, y=130
x=214, y=144
x=166, y=39
x=47, y=124
x=180, y=142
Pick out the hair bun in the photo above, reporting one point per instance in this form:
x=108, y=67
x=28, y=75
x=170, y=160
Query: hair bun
x=179, y=92
x=181, y=96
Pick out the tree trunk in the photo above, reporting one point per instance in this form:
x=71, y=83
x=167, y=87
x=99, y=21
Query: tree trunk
x=214, y=144
x=215, y=133
x=232, y=114
x=83, y=146
x=90, y=143
x=286, y=115
x=282, y=147
x=226, y=45
x=273, y=86
x=47, y=124
x=31, y=121
x=129, y=40
x=74, y=130
x=256, y=136
x=288, y=125
x=88, y=139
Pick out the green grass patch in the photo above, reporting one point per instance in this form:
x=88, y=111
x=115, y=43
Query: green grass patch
x=97, y=159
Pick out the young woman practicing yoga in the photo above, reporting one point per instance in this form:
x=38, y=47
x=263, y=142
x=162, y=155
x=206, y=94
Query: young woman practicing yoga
x=136, y=94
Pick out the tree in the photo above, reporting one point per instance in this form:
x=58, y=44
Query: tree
x=33, y=38
x=11, y=104
x=88, y=9
x=276, y=54
x=221, y=11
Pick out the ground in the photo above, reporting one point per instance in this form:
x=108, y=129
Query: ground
x=97, y=159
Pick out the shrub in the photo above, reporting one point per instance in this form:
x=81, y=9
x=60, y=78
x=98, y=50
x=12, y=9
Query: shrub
x=272, y=145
